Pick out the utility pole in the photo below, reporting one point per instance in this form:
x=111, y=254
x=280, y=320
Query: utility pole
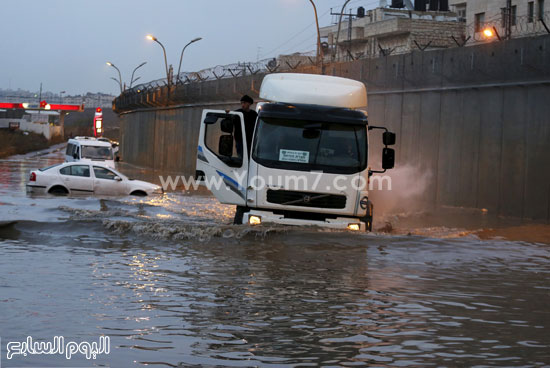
x=350, y=23
x=508, y=18
x=339, y=24
x=40, y=97
x=350, y=19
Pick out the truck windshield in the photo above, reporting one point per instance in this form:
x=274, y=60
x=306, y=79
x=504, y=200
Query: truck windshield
x=97, y=153
x=310, y=146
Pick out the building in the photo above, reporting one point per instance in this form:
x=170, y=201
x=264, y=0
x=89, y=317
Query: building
x=526, y=17
x=385, y=30
x=90, y=100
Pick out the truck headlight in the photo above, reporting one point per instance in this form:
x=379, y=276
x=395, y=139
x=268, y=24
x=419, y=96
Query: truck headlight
x=254, y=220
x=354, y=227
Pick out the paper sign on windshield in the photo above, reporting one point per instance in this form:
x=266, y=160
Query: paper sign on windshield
x=294, y=156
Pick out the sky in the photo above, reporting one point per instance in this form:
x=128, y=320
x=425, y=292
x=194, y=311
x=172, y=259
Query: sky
x=65, y=44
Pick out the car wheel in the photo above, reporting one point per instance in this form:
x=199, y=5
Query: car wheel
x=138, y=193
x=58, y=190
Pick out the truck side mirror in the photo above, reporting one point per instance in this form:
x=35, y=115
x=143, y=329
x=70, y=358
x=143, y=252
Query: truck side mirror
x=225, y=146
x=388, y=158
x=75, y=155
x=388, y=138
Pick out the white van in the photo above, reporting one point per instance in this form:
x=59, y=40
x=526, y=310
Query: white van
x=89, y=149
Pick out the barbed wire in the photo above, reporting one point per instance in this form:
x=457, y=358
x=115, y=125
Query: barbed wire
x=241, y=69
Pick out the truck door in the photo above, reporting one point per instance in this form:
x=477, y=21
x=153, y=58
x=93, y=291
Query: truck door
x=222, y=157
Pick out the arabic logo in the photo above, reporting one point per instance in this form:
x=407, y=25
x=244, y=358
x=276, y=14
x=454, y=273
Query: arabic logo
x=58, y=346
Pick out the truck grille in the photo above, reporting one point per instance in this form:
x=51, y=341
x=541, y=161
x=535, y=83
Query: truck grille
x=306, y=199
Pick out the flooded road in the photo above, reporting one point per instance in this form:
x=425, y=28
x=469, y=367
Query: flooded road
x=172, y=283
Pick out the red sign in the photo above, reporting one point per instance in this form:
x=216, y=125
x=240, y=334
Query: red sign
x=9, y=105
x=98, y=123
x=66, y=107
x=42, y=106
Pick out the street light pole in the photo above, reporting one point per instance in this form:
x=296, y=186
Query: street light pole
x=119, y=75
x=137, y=67
x=319, y=49
x=116, y=80
x=181, y=56
x=153, y=38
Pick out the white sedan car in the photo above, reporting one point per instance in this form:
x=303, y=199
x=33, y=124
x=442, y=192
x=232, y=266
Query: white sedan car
x=81, y=178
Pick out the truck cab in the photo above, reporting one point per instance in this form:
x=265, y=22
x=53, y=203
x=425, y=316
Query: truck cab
x=308, y=162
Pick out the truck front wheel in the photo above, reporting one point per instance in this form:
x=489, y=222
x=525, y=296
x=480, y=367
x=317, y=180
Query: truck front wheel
x=367, y=219
x=239, y=214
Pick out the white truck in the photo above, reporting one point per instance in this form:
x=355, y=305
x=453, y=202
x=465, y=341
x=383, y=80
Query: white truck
x=308, y=162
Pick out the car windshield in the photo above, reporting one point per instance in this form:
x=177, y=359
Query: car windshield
x=309, y=145
x=98, y=153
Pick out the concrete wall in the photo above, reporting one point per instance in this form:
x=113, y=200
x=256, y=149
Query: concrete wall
x=164, y=139
x=478, y=122
x=476, y=118
x=486, y=148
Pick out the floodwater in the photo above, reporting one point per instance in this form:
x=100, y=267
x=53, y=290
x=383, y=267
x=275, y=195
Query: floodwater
x=172, y=283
